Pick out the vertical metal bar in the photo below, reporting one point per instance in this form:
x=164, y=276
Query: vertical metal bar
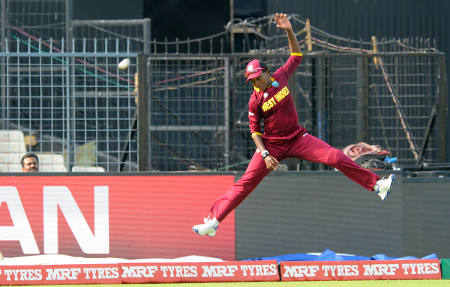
x=19, y=90
x=52, y=96
x=321, y=89
x=4, y=24
x=165, y=45
x=72, y=98
x=150, y=69
x=188, y=46
x=30, y=92
x=189, y=65
x=6, y=95
x=142, y=115
x=108, y=140
x=210, y=46
x=320, y=96
x=85, y=103
x=227, y=99
x=118, y=100
x=130, y=97
x=147, y=35
x=362, y=98
x=96, y=105
x=3, y=68
x=231, y=30
x=443, y=110
x=69, y=34
x=41, y=93
x=67, y=112
x=403, y=64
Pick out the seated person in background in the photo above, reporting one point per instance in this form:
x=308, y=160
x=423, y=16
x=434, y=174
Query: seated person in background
x=30, y=163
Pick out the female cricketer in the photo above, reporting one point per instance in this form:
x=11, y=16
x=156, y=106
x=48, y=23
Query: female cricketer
x=283, y=137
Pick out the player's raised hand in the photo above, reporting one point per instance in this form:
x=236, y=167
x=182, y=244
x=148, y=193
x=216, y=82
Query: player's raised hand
x=282, y=21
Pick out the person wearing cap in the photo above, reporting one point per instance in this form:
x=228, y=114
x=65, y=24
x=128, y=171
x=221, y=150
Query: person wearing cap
x=272, y=103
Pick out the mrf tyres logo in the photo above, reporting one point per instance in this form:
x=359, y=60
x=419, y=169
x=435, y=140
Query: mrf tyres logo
x=57, y=198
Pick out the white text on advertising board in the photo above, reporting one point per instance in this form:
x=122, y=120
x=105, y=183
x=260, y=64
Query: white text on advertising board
x=57, y=198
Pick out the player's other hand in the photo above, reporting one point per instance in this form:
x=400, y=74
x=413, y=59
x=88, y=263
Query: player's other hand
x=271, y=162
x=282, y=21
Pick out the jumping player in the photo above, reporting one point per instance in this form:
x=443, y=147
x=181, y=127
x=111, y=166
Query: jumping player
x=272, y=102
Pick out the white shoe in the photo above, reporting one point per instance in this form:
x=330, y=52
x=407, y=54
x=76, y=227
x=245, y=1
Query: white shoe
x=209, y=227
x=383, y=186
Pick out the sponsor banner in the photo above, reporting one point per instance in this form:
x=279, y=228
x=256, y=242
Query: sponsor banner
x=360, y=270
x=60, y=274
x=133, y=217
x=200, y=272
x=235, y=271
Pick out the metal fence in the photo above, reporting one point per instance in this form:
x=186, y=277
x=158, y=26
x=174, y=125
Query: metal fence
x=79, y=111
x=397, y=101
x=128, y=36
x=76, y=110
x=44, y=19
x=51, y=20
x=189, y=123
x=69, y=99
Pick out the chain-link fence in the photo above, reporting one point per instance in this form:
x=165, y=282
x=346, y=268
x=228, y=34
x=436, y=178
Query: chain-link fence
x=77, y=111
x=396, y=101
x=128, y=36
x=189, y=112
x=42, y=19
x=68, y=97
x=81, y=107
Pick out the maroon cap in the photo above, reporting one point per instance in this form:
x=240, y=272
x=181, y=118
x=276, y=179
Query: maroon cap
x=254, y=69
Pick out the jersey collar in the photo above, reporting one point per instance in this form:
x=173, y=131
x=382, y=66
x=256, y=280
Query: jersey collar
x=274, y=83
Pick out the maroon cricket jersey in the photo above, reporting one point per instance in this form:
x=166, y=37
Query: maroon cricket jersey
x=276, y=106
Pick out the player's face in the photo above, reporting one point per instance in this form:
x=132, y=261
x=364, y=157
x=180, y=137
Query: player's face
x=30, y=164
x=262, y=81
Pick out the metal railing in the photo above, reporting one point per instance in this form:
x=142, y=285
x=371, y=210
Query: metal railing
x=82, y=107
x=69, y=98
x=397, y=102
x=79, y=106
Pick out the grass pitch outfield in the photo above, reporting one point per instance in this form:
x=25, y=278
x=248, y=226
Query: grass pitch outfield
x=367, y=283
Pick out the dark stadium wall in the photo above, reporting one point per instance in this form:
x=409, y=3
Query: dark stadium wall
x=171, y=19
x=107, y=9
x=191, y=19
x=292, y=212
x=314, y=211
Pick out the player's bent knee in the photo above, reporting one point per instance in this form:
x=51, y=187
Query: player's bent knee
x=335, y=157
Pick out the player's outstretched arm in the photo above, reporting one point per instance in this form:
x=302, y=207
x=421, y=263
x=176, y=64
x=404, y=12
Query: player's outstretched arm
x=284, y=23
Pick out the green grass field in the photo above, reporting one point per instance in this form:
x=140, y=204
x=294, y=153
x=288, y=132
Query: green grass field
x=368, y=283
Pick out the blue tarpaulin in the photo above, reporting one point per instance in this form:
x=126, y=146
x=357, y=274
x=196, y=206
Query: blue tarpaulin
x=329, y=255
